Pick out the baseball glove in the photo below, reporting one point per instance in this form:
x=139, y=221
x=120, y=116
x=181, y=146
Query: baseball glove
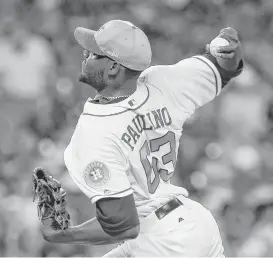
x=51, y=199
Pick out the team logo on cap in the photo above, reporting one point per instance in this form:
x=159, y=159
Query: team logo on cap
x=96, y=174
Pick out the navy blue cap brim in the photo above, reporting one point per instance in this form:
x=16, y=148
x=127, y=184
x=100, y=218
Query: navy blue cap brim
x=86, y=38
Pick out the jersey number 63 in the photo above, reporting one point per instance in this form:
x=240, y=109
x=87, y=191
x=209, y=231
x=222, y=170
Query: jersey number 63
x=153, y=167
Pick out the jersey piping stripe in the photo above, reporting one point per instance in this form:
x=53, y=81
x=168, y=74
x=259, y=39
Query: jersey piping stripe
x=211, y=66
x=129, y=109
x=99, y=195
x=130, y=188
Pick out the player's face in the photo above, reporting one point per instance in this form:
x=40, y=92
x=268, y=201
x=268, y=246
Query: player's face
x=93, y=68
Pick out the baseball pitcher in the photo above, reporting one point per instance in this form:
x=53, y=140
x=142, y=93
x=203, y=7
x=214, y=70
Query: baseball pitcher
x=123, y=151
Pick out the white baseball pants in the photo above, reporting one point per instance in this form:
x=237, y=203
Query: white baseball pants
x=189, y=230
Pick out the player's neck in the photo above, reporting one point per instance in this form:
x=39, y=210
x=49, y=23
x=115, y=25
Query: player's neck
x=127, y=88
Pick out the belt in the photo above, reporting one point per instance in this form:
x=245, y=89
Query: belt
x=167, y=208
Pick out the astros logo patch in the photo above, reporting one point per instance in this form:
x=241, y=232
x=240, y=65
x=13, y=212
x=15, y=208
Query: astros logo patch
x=96, y=174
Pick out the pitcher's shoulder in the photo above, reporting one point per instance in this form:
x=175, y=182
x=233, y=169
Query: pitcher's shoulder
x=153, y=73
x=159, y=74
x=155, y=77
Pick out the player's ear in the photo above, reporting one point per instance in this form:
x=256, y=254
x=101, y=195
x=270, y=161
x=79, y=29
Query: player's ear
x=114, y=68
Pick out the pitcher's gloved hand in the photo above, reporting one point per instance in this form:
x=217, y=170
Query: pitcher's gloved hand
x=51, y=199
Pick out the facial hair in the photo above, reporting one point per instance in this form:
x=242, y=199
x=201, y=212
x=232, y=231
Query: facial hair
x=94, y=79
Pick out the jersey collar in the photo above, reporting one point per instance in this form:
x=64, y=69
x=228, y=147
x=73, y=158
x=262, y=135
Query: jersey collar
x=135, y=101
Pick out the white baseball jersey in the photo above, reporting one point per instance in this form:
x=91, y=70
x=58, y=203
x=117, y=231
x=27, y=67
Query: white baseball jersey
x=131, y=146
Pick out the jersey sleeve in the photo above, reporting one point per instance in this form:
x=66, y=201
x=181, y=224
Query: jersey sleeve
x=188, y=84
x=102, y=171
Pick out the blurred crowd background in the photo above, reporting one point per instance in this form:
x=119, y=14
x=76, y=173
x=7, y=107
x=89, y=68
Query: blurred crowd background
x=226, y=152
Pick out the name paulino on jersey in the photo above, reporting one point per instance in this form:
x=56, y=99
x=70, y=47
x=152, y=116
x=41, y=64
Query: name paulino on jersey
x=155, y=119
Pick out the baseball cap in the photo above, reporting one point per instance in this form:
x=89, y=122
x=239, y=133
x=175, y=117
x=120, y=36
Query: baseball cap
x=119, y=40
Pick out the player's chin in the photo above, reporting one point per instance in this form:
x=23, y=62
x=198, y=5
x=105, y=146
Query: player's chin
x=83, y=78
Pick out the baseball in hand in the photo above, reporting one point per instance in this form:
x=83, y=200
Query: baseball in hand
x=217, y=42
